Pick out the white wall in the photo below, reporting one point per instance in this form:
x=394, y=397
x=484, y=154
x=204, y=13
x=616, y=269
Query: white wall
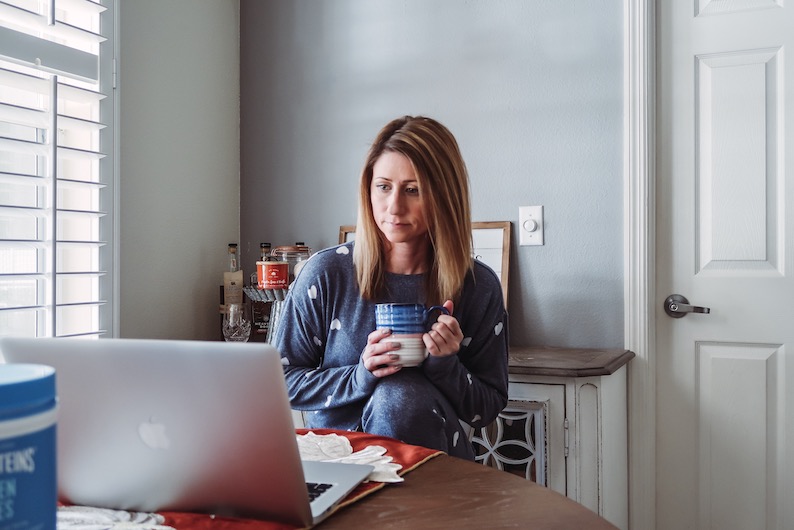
x=179, y=163
x=533, y=90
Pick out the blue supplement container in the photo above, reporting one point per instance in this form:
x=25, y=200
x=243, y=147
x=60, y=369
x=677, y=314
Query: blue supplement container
x=28, y=475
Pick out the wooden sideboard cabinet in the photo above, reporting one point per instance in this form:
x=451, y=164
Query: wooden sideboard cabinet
x=565, y=426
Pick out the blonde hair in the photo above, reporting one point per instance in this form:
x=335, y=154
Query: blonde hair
x=444, y=186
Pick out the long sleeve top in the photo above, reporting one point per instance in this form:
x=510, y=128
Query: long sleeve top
x=323, y=330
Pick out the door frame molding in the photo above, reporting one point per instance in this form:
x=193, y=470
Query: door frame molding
x=639, y=221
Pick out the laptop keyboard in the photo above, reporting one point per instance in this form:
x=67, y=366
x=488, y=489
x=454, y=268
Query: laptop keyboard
x=315, y=489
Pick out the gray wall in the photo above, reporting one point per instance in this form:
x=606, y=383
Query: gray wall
x=533, y=90
x=179, y=163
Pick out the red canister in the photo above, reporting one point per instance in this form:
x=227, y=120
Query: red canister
x=272, y=274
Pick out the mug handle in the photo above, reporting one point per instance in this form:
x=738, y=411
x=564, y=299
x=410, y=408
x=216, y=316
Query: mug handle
x=430, y=309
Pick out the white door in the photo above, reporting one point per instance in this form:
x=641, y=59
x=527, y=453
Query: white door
x=724, y=217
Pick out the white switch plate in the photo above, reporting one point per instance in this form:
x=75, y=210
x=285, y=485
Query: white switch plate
x=530, y=225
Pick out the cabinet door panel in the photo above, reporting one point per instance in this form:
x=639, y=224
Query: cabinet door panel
x=528, y=437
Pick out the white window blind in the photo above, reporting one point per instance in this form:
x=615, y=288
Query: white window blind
x=56, y=168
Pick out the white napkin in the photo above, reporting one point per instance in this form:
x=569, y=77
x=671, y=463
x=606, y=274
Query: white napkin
x=89, y=518
x=335, y=448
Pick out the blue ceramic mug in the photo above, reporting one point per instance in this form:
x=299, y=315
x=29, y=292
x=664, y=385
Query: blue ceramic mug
x=407, y=322
x=406, y=319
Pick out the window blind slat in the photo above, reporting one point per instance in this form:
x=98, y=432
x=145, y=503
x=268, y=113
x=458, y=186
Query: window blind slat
x=84, y=185
x=13, y=278
x=82, y=6
x=21, y=179
x=38, y=21
x=49, y=56
x=36, y=180
x=66, y=31
x=86, y=7
x=72, y=320
x=10, y=245
x=68, y=122
x=78, y=94
x=71, y=153
x=80, y=214
x=27, y=116
x=21, y=146
x=23, y=81
x=22, y=212
x=7, y=310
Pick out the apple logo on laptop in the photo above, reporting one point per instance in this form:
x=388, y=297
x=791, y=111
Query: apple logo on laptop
x=153, y=434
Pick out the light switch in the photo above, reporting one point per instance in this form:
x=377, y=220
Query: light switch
x=530, y=225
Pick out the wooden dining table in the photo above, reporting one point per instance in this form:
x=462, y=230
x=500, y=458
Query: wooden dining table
x=447, y=492
x=436, y=491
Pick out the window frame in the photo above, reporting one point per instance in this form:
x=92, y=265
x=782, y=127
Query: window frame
x=20, y=48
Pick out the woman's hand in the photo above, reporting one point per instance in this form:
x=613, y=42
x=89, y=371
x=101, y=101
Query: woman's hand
x=445, y=335
x=378, y=357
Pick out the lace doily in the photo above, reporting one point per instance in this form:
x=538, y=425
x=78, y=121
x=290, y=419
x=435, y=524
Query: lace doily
x=89, y=518
x=335, y=448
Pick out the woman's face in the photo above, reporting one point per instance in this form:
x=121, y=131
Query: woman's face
x=397, y=204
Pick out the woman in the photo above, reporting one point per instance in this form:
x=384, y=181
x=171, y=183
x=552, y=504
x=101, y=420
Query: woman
x=412, y=245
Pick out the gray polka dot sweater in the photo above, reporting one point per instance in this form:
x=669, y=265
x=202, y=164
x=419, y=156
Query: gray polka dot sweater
x=324, y=326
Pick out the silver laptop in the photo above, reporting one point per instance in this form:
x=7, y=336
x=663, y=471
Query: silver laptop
x=158, y=425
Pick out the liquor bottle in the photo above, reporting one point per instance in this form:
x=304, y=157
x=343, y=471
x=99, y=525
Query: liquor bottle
x=233, y=261
x=231, y=288
x=261, y=308
x=233, y=278
x=264, y=251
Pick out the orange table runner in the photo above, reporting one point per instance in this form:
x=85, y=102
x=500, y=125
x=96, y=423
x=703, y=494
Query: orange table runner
x=408, y=456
